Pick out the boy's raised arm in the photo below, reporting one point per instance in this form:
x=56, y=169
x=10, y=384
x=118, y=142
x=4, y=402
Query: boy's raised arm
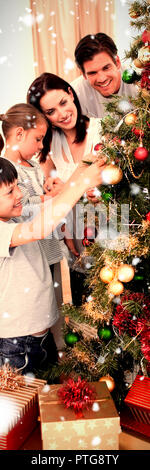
x=52, y=211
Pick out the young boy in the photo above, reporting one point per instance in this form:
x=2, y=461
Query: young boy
x=27, y=302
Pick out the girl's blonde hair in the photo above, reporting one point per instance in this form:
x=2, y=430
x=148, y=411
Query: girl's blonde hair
x=20, y=115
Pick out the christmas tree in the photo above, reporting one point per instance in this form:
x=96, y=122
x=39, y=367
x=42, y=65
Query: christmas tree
x=108, y=337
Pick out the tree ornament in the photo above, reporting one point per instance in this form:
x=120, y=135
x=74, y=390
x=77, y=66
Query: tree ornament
x=124, y=106
x=105, y=333
x=111, y=174
x=106, y=274
x=115, y=287
x=98, y=147
x=148, y=216
x=138, y=132
x=141, y=153
x=125, y=273
x=129, y=76
x=134, y=13
x=106, y=196
x=71, y=338
x=144, y=55
x=138, y=63
x=90, y=232
x=138, y=278
x=146, y=36
x=109, y=382
x=130, y=119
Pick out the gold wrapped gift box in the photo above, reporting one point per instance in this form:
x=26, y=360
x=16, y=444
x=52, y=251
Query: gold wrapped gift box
x=99, y=427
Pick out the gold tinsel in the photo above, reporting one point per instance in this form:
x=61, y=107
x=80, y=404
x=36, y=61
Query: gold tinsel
x=83, y=357
x=96, y=313
x=9, y=378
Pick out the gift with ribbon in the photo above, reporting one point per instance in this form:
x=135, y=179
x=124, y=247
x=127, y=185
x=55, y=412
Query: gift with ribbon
x=91, y=422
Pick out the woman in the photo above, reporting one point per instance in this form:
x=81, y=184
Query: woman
x=70, y=136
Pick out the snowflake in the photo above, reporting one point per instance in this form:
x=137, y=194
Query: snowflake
x=96, y=441
x=95, y=407
x=68, y=65
x=5, y=315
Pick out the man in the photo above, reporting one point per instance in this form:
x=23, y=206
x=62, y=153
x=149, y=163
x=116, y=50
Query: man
x=96, y=56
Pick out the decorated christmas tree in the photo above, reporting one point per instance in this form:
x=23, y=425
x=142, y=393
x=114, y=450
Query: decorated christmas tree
x=108, y=337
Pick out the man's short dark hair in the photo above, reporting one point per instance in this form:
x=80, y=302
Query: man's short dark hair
x=93, y=44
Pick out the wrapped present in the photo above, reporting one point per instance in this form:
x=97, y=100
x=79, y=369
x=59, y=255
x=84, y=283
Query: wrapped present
x=18, y=407
x=136, y=415
x=96, y=427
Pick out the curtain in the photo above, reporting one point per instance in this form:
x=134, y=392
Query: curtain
x=57, y=27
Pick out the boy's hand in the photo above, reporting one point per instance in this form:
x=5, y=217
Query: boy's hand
x=53, y=186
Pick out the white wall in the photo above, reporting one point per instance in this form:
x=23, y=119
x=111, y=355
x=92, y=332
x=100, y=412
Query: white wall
x=17, y=68
x=16, y=53
x=124, y=32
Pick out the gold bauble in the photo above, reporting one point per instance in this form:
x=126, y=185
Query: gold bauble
x=111, y=174
x=138, y=63
x=125, y=273
x=106, y=274
x=130, y=119
x=145, y=94
x=109, y=382
x=144, y=55
x=115, y=287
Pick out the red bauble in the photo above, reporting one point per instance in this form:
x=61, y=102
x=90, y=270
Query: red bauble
x=138, y=132
x=148, y=216
x=98, y=147
x=90, y=232
x=141, y=153
x=145, y=36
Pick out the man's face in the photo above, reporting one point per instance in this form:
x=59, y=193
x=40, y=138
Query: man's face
x=103, y=74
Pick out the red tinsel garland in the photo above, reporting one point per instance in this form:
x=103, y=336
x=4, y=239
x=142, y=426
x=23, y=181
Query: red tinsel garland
x=77, y=395
x=138, y=324
x=145, y=78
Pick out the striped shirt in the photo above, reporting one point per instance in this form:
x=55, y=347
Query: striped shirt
x=30, y=182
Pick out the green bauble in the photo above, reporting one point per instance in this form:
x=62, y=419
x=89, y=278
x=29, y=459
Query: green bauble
x=128, y=76
x=106, y=196
x=138, y=277
x=71, y=338
x=105, y=333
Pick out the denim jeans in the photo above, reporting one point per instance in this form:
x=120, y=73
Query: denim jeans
x=27, y=353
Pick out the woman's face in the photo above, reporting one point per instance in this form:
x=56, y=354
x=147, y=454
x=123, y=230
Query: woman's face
x=59, y=108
